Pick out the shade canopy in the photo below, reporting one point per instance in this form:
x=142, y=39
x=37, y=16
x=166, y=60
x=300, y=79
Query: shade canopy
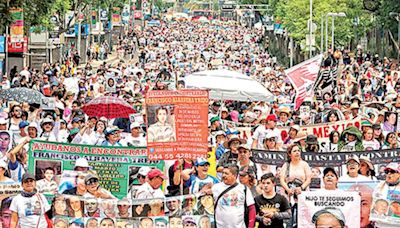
x=228, y=85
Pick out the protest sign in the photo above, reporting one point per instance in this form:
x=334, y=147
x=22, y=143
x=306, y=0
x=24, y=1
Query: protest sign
x=115, y=166
x=9, y=189
x=315, y=205
x=365, y=189
x=6, y=138
x=333, y=159
x=177, y=124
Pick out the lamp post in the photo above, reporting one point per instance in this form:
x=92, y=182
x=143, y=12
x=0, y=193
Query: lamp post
x=397, y=16
x=333, y=15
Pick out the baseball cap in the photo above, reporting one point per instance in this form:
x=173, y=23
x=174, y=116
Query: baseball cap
x=144, y=170
x=220, y=133
x=91, y=178
x=28, y=176
x=33, y=124
x=213, y=119
x=330, y=210
x=23, y=124
x=394, y=166
x=271, y=117
x=112, y=129
x=3, y=121
x=244, y=146
x=135, y=124
x=201, y=162
x=353, y=157
x=330, y=169
x=188, y=220
x=296, y=127
x=156, y=173
x=47, y=120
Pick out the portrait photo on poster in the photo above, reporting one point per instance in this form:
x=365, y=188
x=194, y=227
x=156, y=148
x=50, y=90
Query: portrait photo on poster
x=5, y=142
x=161, y=123
x=47, y=174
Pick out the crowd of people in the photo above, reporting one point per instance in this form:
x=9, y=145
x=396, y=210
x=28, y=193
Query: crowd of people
x=243, y=193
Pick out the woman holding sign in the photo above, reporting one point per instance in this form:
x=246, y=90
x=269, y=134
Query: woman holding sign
x=295, y=177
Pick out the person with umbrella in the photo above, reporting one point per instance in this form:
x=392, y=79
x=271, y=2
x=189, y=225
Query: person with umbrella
x=112, y=135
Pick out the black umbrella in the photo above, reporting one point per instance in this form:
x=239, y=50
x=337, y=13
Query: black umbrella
x=22, y=94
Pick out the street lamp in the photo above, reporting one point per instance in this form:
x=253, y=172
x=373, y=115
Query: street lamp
x=397, y=16
x=333, y=15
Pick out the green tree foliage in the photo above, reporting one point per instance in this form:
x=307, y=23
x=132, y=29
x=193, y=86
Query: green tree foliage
x=38, y=12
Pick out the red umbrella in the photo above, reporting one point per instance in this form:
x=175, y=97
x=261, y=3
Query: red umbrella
x=109, y=107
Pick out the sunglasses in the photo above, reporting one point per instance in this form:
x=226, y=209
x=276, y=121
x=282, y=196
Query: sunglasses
x=391, y=171
x=92, y=181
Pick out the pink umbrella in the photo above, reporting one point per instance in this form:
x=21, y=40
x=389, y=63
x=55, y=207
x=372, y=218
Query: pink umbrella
x=109, y=107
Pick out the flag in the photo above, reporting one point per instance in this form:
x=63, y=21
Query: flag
x=303, y=76
x=326, y=82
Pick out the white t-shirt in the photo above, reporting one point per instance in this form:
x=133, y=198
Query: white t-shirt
x=230, y=208
x=30, y=210
x=259, y=135
x=145, y=191
x=359, y=178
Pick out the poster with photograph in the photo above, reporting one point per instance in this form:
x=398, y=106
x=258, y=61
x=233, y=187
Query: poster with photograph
x=5, y=142
x=390, y=122
x=111, y=164
x=177, y=124
x=329, y=208
x=365, y=190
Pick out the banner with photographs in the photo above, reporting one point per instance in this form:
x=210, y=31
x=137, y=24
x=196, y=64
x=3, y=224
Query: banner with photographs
x=181, y=211
x=177, y=124
x=365, y=189
x=6, y=138
x=329, y=208
x=332, y=159
x=117, y=167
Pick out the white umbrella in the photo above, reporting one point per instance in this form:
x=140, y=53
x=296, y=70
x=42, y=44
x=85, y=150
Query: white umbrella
x=229, y=85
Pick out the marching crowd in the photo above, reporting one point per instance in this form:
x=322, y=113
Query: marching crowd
x=245, y=194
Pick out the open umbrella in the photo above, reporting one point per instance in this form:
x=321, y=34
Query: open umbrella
x=22, y=94
x=109, y=107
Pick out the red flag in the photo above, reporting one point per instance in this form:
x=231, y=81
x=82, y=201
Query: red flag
x=303, y=76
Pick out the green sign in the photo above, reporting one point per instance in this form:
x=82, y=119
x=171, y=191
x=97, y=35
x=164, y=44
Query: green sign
x=115, y=166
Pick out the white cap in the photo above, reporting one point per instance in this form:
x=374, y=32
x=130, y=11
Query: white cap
x=3, y=121
x=144, y=170
x=82, y=162
x=33, y=124
x=134, y=124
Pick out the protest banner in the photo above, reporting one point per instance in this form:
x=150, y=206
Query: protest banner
x=365, y=190
x=333, y=159
x=69, y=209
x=177, y=124
x=322, y=130
x=117, y=167
x=313, y=205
